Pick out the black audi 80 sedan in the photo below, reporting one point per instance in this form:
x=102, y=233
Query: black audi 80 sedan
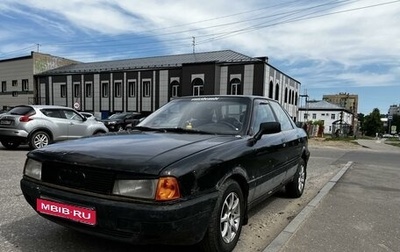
x=187, y=174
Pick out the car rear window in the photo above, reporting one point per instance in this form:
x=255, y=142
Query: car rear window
x=22, y=110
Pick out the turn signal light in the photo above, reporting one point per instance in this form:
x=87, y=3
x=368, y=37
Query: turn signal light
x=167, y=189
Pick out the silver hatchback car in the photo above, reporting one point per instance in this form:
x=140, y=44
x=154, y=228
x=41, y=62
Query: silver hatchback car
x=40, y=125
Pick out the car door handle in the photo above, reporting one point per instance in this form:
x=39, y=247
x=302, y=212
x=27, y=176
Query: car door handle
x=283, y=142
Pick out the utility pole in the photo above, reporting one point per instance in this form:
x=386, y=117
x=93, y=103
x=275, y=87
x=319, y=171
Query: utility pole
x=37, y=47
x=194, y=44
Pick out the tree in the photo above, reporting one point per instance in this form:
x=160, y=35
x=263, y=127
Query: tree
x=372, y=123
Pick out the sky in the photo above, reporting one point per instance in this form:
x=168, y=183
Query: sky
x=331, y=47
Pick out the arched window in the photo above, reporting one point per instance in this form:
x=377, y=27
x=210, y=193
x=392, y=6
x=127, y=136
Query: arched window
x=277, y=92
x=236, y=87
x=175, y=89
x=286, y=94
x=296, y=98
x=198, y=87
x=290, y=96
x=271, y=90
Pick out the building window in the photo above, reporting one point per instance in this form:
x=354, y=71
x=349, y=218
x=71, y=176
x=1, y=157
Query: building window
x=306, y=116
x=271, y=90
x=198, y=90
x=104, y=89
x=236, y=87
x=14, y=93
x=277, y=92
x=77, y=92
x=131, y=88
x=314, y=116
x=88, y=89
x=63, y=91
x=286, y=95
x=198, y=87
x=174, y=89
x=118, y=89
x=3, y=86
x=146, y=88
x=14, y=83
x=333, y=116
x=25, y=85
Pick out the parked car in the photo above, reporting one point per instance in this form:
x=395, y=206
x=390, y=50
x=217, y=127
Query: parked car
x=187, y=174
x=120, y=121
x=40, y=125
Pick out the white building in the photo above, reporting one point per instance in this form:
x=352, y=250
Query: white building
x=333, y=116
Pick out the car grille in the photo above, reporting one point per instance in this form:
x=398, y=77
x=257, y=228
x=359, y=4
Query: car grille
x=78, y=177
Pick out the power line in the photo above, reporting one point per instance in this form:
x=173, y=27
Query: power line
x=222, y=30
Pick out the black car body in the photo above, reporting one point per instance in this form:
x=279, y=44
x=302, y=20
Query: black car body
x=176, y=178
x=120, y=121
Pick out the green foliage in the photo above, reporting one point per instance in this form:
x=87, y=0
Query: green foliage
x=372, y=123
x=320, y=123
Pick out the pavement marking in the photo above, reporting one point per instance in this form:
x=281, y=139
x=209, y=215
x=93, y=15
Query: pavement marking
x=277, y=244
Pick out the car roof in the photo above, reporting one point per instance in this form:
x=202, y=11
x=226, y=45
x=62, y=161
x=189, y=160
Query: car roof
x=45, y=106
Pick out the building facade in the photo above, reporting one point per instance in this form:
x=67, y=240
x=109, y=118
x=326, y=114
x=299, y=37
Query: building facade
x=17, y=77
x=332, y=116
x=143, y=85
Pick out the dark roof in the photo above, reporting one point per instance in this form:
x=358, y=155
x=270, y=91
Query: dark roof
x=226, y=56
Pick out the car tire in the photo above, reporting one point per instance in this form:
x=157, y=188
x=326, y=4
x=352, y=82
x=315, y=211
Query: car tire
x=227, y=219
x=10, y=145
x=295, y=188
x=39, y=139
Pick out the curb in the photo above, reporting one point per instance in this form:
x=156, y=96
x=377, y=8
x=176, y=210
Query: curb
x=277, y=244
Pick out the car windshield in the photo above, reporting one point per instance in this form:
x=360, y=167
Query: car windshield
x=21, y=110
x=215, y=115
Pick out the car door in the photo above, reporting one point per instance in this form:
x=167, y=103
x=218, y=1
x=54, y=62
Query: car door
x=57, y=123
x=77, y=127
x=269, y=151
x=293, y=147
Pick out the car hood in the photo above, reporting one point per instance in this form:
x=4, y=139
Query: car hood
x=142, y=153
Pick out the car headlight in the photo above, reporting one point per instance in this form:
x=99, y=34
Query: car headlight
x=162, y=189
x=112, y=122
x=33, y=169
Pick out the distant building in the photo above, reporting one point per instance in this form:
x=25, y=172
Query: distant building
x=348, y=101
x=345, y=100
x=394, y=110
x=145, y=84
x=17, y=77
x=334, y=117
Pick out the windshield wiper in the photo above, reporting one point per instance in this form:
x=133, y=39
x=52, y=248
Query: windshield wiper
x=183, y=130
x=174, y=130
x=142, y=128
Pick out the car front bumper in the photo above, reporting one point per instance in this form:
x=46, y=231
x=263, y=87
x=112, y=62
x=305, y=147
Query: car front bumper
x=182, y=223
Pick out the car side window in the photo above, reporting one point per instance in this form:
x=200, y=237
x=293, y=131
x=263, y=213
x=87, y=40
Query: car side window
x=55, y=113
x=72, y=115
x=283, y=118
x=262, y=113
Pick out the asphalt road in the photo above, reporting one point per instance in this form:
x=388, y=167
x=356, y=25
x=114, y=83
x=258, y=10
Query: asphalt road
x=21, y=229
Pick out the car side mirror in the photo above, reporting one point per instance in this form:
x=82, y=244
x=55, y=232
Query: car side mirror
x=265, y=129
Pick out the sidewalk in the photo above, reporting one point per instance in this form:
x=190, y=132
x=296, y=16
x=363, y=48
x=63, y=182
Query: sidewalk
x=357, y=210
